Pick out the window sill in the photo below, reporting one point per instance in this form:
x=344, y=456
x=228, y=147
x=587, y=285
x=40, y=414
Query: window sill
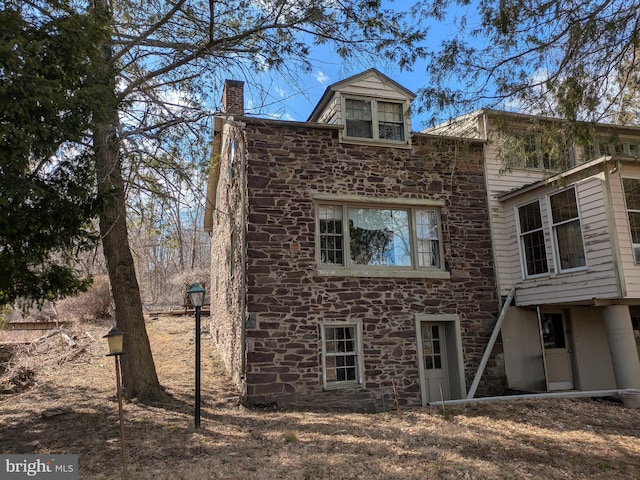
x=343, y=386
x=572, y=270
x=341, y=272
x=406, y=144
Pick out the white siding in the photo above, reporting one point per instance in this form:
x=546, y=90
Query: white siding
x=331, y=114
x=611, y=272
x=505, y=241
x=372, y=86
x=630, y=272
x=599, y=279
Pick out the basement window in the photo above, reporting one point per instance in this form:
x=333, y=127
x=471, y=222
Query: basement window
x=341, y=354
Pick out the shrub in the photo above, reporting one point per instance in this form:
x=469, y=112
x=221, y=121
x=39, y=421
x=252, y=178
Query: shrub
x=4, y=310
x=94, y=303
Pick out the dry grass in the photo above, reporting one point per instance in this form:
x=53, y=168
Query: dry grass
x=544, y=439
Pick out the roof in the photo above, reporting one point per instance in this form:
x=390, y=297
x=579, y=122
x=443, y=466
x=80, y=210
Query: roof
x=452, y=123
x=598, y=162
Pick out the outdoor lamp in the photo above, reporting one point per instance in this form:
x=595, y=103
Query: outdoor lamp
x=196, y=295
x=115, y=337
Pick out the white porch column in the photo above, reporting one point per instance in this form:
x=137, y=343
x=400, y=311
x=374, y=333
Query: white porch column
x=622, y=345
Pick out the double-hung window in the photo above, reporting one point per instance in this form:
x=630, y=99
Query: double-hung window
x=374, y=119
x=370, y=239
x=533, y=156
x=532, y=246
x=632, y=199
x=341, y=354
x=567, y=230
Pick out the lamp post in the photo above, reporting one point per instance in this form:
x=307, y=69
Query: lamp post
x=115, y=338
x=196, y=298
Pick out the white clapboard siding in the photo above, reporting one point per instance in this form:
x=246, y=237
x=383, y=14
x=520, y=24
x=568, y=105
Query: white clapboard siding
x=372, y=85
x=331, y=113
x=611, y=272
x=629, y=271
x=505, y=241
x=599, y=279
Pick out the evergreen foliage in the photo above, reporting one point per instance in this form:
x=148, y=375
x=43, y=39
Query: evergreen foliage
x=152, y=77
x=571, y=59
x=47, y=179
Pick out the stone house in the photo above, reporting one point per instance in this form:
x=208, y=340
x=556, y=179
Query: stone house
x=351, y=258
x=568, y=244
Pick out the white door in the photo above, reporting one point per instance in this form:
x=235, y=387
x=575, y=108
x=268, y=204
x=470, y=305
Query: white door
x=434, y=358
x=557, y=353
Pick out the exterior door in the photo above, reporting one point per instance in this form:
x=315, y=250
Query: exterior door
x=434, y=358
x=555, y=336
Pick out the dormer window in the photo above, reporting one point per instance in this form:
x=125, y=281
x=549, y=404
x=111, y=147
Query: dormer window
x=374, y=119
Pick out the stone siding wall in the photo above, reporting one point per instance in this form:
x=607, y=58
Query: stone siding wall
x=287, y=165
x=227, y=273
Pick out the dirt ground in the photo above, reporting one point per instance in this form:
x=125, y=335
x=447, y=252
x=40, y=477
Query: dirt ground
x=74, y=381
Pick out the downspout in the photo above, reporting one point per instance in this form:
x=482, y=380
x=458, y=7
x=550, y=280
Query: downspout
x=492, y=341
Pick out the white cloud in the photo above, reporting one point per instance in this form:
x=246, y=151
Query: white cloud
x=282, y=116
x=322, y=78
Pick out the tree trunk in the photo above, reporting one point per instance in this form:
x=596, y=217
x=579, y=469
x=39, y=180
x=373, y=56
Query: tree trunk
x=138, y=369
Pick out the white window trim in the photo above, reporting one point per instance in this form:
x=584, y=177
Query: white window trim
x=455, y=369
x=413, y=271
x=357, y=324
x=521, y=247
x=627, y=210
x=374, y=120
x=535, y=154
x=554, y=240
x=619, y=146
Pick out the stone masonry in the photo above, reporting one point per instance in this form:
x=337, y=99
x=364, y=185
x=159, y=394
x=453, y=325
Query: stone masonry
x=266, y=289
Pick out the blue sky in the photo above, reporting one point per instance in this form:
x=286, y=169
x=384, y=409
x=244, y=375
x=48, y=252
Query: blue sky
x=291, y=102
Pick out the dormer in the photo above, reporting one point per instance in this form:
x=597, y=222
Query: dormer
x=371, y=107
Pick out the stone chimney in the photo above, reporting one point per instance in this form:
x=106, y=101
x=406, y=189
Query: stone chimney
x=233, y=97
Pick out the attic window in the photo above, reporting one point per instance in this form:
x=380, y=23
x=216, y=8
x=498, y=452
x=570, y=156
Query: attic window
x=378, y=120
